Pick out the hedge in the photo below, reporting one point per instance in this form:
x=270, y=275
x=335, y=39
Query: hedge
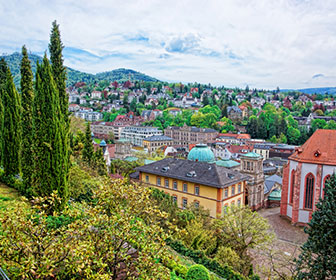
x=200, y=258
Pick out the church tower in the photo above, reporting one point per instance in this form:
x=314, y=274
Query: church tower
x=251, y=164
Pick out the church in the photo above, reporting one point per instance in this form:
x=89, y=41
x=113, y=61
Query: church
x=305, y=175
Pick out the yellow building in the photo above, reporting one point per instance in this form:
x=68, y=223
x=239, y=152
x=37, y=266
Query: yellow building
x=202, y=183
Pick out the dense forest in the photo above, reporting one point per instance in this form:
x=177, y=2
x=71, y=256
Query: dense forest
x=73, y=76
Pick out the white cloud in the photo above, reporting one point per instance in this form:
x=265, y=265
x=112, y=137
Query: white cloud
x=263, y=43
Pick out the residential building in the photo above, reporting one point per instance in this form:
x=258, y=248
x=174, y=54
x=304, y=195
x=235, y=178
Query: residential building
x=96, y=94
x=136, y=134
x=152, y=143
x=263, y=149
x=190, y=135
x=122, y=149
x=74, y=98
x=102, y=129
x=281, y=150
x=234, y=113
x=251, y=164
x=233, y=138
x=305, y=176
x=89, y=116
x=74, y=107
x=193, y=182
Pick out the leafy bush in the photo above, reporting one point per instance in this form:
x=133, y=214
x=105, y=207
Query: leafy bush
x=197, y=272
x=200, y=258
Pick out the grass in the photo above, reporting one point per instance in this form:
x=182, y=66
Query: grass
x=7, y=197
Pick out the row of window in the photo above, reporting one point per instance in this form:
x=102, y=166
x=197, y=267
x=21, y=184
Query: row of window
x=308, y=190
x=185, y=202
x=175, y=186
x=233, y=191
x=233, y=202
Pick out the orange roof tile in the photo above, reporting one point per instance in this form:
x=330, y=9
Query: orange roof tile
x=320, y=148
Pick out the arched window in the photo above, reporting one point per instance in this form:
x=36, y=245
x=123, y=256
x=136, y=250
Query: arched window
x=292, y=187
x=326, y=178
x=309, y=191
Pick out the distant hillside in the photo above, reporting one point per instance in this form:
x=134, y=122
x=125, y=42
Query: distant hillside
x=323, y=90
x=75, y=76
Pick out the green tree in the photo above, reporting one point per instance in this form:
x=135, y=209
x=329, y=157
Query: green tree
x=3, y=75
x=49, y=174
x=318, y=257
x=59, y=76
x=88, y=153
x=293, y=135
x=27, y=97
x=197, y=272
x=242, y=229
x=11, y=128
x=331, y=125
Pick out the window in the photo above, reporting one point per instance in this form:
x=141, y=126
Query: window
x=175, y=185
x=158, y=181
x=309, y=191
x=175, y=199
x=248, y=166
x=196, y=203
x=238, y=202
x=225, y=208
x=185, y=187
x=184, y=203
x=292, y=187
x=233, y=189
x=233, y=202
x=226, y=193
x=147, y=179
x=197, y=190
x=166, y=183
x=239, y=188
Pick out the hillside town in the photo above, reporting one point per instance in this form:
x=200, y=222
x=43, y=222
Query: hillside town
x=114, y=166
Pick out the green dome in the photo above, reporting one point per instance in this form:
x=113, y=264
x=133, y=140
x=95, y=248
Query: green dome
x=252, y=155
x=201, y=152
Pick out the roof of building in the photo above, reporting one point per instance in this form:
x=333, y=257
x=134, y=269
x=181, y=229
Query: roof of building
x=203, y=173
x=201, y=152
x=275, y=195
x=158, y=138
x=270, y=182
x=227, y=163
x=130, y=158
x=320, y=148
x=252, y=155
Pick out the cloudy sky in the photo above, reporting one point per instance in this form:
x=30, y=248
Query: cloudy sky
x=262, y=43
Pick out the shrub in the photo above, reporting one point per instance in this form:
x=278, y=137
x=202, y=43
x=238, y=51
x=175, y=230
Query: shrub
x=197, y=272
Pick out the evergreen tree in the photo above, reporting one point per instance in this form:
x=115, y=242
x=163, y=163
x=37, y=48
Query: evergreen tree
x=318, y=257
x=58, y=69
x=3, y=74
x=88, y=152
x=11, y=127
x=27, y=95
x=59, y=76
x=49, y=174
x=99, y=162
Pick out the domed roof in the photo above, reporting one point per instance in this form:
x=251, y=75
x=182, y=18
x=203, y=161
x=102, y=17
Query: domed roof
x=201, y=152
x=102, y=143
x=252, y=155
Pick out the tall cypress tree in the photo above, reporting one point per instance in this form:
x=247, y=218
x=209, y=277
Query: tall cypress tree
x=88, y=153
x=318, y=257
x=48, y=174
x=58, y=69
x=27, y=95
x=59, y=75
x=11, y=127
x=3, y=75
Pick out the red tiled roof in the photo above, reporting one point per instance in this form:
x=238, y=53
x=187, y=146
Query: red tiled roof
x=244, y=136
x=320, y=148
x=239, y=149
x=233, y=135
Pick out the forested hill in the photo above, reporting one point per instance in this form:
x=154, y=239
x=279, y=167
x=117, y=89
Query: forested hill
x=75, y=76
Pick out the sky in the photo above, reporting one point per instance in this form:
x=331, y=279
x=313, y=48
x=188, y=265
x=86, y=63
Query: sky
x=234, y=43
